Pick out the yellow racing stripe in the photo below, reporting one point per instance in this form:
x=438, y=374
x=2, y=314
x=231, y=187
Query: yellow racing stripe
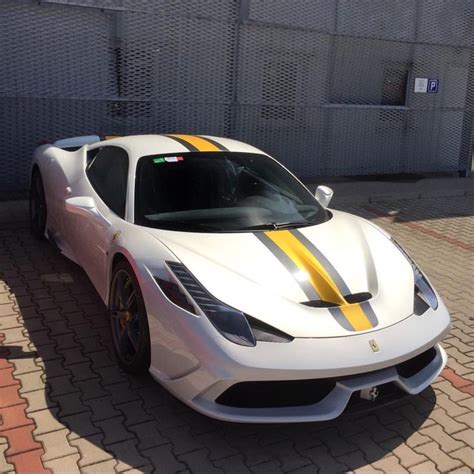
x=308, y=263
x=356, y=316
x=319, y=278
x=200, y=143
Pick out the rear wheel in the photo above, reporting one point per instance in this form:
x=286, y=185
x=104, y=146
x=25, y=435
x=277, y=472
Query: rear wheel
x=128, y=320
x=38, y=211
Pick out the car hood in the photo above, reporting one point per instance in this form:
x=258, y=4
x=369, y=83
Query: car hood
x=256, y=273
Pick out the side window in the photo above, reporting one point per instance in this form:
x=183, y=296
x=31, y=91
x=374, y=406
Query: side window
x=107, y=172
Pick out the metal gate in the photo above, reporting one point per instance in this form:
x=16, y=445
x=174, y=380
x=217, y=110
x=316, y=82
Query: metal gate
x=326, y=86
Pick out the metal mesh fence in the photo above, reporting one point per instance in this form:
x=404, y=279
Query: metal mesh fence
x=326, y=86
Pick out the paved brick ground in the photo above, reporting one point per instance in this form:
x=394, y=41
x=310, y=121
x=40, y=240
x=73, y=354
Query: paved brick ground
x=66, y=407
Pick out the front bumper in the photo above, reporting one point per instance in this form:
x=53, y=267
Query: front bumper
x=213, y=365
x=333, y=404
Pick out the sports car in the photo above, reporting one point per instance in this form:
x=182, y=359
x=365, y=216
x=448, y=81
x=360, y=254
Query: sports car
x=240, y=291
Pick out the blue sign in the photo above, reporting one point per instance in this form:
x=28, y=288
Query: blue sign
x=433, y=85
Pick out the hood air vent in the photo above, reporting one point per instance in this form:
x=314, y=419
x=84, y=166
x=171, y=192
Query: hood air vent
x=352, y=299
x=358, y=297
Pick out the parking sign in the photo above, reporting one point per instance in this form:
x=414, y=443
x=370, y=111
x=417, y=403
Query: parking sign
x=433, y=85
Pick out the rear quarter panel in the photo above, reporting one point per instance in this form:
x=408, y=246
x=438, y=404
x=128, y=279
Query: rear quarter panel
x=60, y=170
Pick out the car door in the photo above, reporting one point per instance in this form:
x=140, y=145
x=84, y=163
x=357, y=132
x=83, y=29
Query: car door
x=107, y=175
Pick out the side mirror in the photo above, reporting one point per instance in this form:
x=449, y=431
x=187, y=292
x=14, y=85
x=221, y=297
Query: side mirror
x=85, y=206
x=324, y=195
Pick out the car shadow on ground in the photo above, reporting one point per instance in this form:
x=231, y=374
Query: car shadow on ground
x=135, y=422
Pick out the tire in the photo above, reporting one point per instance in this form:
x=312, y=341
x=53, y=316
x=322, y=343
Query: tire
x=38, y=210
x=128, y=320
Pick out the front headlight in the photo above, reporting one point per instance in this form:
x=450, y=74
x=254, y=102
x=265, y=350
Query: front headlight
x=230, y=322
x=423, y=289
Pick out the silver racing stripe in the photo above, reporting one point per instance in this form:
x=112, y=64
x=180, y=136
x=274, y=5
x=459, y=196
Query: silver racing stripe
x=369, y=312
x=305, y=285
x=341, y=318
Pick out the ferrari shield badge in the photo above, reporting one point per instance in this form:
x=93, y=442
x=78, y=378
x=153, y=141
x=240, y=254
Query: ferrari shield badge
x=370, y=393
x=116, y=235
x=373, y=345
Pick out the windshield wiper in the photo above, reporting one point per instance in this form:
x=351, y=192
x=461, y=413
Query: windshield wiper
x=279, y=225
x=291, y=225
x=185, y=225
x=270, y=226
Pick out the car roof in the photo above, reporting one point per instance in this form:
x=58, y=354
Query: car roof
x=144, y=145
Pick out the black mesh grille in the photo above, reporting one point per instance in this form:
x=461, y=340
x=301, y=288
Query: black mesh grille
x=273, y=394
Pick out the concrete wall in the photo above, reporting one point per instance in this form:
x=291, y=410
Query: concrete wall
x=324, y=85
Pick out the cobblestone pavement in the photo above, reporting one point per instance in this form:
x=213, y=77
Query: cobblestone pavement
x=66, y=407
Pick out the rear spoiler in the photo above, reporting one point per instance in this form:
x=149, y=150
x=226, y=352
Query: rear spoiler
x=75, y=143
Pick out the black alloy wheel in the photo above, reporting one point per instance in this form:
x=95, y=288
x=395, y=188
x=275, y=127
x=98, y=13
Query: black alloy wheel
x=128, y=320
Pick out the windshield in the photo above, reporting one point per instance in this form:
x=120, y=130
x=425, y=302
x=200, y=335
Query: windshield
x=220, y=192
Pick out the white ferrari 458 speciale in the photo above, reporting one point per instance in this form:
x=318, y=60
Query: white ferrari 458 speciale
x=235, y=287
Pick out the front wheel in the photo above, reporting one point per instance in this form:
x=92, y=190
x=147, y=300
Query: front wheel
x=128, y=320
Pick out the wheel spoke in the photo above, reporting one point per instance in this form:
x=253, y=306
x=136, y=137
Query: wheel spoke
x=125, y=316
x=131, y=299
x=132, y=339
x=121, y=295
